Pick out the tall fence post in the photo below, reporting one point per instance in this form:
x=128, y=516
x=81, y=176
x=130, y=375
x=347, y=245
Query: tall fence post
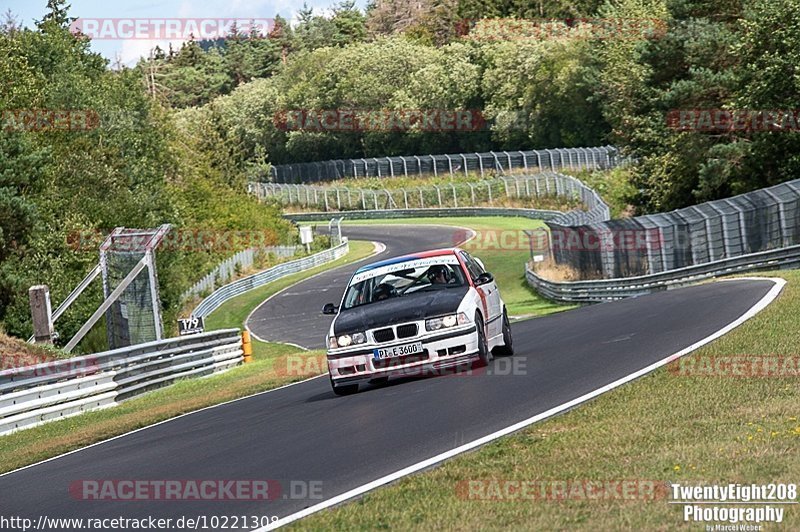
x=41, y=313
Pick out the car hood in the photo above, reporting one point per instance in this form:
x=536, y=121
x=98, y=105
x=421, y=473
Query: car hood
x=411, y=307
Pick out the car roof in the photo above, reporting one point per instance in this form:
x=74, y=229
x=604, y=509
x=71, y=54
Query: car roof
x=410, y=256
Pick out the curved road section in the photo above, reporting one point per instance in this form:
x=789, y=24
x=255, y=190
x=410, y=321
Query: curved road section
x=317, y=448
x=294, y=315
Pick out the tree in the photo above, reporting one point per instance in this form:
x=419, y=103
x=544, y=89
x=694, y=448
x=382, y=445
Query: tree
x=57, y=15
x=350, y=23
x=550, y=100
x=10, y=24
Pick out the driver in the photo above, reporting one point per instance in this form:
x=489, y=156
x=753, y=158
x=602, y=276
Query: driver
x=438, y=274
x=384, y=291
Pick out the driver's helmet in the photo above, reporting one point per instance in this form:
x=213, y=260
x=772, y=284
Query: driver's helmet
x=436, y=271
x=384, y=291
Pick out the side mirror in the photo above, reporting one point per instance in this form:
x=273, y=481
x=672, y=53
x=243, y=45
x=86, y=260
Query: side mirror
x=330, y=308
x=484, y=278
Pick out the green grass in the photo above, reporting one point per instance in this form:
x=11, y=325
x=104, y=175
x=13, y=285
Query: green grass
x=425, y=180
x=504, y=249
x=268, y=370
x=662, y=427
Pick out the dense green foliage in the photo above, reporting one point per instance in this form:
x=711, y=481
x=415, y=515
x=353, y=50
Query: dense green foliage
x=181, y=132
x=136, y=168
x=564, y=84
x=561, y=86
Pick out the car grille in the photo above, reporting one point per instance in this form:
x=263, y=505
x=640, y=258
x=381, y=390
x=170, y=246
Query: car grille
x=383, y=335
x=407, y=331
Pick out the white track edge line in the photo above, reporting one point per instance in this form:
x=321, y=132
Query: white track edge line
x=355, y=492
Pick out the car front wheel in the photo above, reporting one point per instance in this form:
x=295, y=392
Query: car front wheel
x=484, y=355
x=507, y=349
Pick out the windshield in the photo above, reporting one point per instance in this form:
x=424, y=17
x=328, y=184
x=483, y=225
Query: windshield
x=403, y=279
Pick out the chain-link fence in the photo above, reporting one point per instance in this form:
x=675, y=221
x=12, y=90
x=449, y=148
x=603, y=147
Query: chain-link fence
x=566, y=190
x=757, y=221
x=135, y=317
x=482, y=164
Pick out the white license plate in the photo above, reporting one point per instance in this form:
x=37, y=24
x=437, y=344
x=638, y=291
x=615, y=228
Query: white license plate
x=398, y=350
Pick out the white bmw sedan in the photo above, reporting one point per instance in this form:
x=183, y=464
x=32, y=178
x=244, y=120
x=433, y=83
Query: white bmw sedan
x=412, y=314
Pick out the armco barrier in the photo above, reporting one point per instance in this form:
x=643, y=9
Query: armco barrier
x=53, y=390
x=600, y=290
x=761, y=220
x=240, y=286
x=227, y=268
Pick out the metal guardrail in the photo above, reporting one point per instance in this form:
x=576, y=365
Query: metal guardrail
x=749, y=223
x=750, y=232
x=53, y=390
x=227, y=268
x=240, y=286
x=449, y=164
x=595, y=291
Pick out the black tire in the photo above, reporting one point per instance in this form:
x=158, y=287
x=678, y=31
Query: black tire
x=346, y=389
x=484, y=355
x=507, y=349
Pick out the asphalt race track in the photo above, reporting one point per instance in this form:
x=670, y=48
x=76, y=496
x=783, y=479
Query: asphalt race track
x=305, y=433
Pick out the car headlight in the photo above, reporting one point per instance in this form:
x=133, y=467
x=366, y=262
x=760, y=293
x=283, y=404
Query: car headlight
x=347, y=339
x=443, y=322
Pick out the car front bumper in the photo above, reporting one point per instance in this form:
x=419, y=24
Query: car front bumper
x=441, y=351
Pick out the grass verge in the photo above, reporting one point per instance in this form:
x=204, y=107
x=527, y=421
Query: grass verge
x=664, y=427
x=268, y=370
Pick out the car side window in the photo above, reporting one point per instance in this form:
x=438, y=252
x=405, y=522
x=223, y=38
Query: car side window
x=474, y=268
